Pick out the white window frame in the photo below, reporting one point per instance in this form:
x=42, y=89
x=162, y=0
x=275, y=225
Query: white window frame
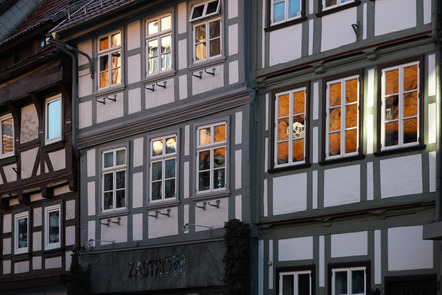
x=108, y=52
x=343, y=105
x=48, y=125
x=158, y=37
x=2, y=119
x=114, y=170
x=163, y=158
x=295, y=275
x=17, y=217
x=401, y=117
x=349, y=279
x=290, y=117
x=286, y=11
x=338, y=3
x=205, y=14
x=208, y=40
x=47, y=211
x=211, y=147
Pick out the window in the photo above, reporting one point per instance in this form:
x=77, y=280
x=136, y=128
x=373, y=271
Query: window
x=206, y=34
x=342, y=117
x=159, y=45
x=21, y=233
x=7, y=135
x=53, y=118
x=349, y=281
x=284, y=10
x=211, y=153
x=114, y=179
x=400, y=106
x=290, y=127
x=163, y=161
x=52, y=230
x=295, y=283
x=334, y=3
x=109, y=56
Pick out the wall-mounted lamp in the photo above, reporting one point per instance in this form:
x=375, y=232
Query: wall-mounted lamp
x=88, y=245
x=356, y=27
x=187, y=226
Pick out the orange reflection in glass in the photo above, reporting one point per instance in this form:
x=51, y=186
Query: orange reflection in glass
x=351, y=140
x=298, y=106
x=391, y=133
x=220, y=133
x=283, y=129
x=410, y=78
x=204, y=136
x=351, y=116
x=334, y=143
x=283, y=152
x=410, y=104
x=104, y=43
x=392, y=82
x=391, y=108
x=283, y=105
x=410, y=130
x=335, y=94
x=334, y=121
x=351, y=91
x=104, y=79
x=298, y=150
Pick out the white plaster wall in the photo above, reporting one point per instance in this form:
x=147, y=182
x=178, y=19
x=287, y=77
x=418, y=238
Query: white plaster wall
x=85, y=82
x=295, y=249
x=401, y=176
x=238, y=128
x=138, y=152
x=10, y=173
x=133, y=35
x=54, y=262
x=337, y=30
x=110, y=110
x=28, y=124
x=36, y=262
x=233, y=72
x=134, y=70
x=238, y=207
x=163, y=225
x=137, y=190
x=70, y=235
x=403, y=12
x=91, y=198
x=427, y=11
x=37, y=218
x=7, y=246
x=290, y=193
x=6, y=267
x=238, y=169
x=85, y=46
x=160, y=96
x=183, y=88
x=182, y=17
x=68, y=260
x=182, y=54
x=28, y=160
x=58, y=160
x=285, y=44
x=208, y=82
x=212, y=216
x=7, y=223
x=233, y=39
x=432, y=170
x=137, y=227
x=431, y=75
x=342, y=186
x=91, y=162
x=349, y=244
x=91, y=230
x=84, y=114
x=37, y=241
x=404, y=243
x=70, y=209
x=114, y=232
x=232, y=8
x=134, y=100
x=21, y=267
x=186, y=170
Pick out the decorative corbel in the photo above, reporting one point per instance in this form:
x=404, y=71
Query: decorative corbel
x=24, y=198
x=47, y=192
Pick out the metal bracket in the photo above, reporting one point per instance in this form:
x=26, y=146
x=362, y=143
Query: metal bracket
x=116, y=222
x=156, y=214
x=103, y=101
x=356, y=28
x=151, y=89
x=203, y=206
x=211, y=73
x=165, y=214
x=198, y=76
x=107, y=223
x=217, y=204
x=162, y=86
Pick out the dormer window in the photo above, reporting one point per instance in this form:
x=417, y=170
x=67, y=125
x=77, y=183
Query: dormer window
x=207, y=9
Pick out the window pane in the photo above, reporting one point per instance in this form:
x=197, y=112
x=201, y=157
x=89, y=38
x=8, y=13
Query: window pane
x=220, y=133
x=157, y=147
x=334, y=121
x=351, y=91
x=357, y=282
x=204, y=136
x=298, y=126
x=170, y=168
x=22, y=233
x=204, y=160
x=121, y=179
x=410, y=78
x=335, y=95
x=283, y=129
x=171, y=145
x=104, y=63
x=156, y=190
x=108, y=160
x=410, y=104
x=200, y=33
x=121, y=157
x=215, y=29
x=294, y=8
x=330, y=3
x=283, y=106
x=204, y=181
x=104, y=43
x=391, y=107
x=351, y=116
x=288, y=283
x=298, y=150
x=116, y=59
x=391, y=133
x=116, y=40
x=108, y=181
x=215, y=47
x=116, y=76
x=108, y=201
x=219, y=156
x=334, y=144
x=104, y=79
x=198, y=11
x=351, y=141
x=121, y=199
x=170, y=188
x=54, y=227
x=166, y=23
x=152, y=28
x=283, y=153
x=304, y=284
x=152, y=48
x=200, y=38
x=153, y=65
x=340, y=282
x=157, y=171
x=166, y=43
x=410, y=130
x=200, y=51
x=166, y=61
x=7, y=136
x=218, y=178
x=298, y=105
x=212, y=7
x=54, y=119
x=278, y=12
x=391, y=82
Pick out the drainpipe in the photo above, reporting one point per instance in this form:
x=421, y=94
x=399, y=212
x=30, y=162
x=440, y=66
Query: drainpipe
x=68, y=50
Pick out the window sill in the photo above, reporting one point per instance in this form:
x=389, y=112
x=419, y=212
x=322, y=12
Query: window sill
x=158, y=77
x=20, y=257
x=210, y=195
x=285, y=24
x=53, y=146
x=53, y=252
x=289, y=168
x=338, y=8
x=101, y=92
x=163, y=204
x=341, y=160
x=112, y=214
x=207, y=63
x=8, y=160
x=400, y=150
